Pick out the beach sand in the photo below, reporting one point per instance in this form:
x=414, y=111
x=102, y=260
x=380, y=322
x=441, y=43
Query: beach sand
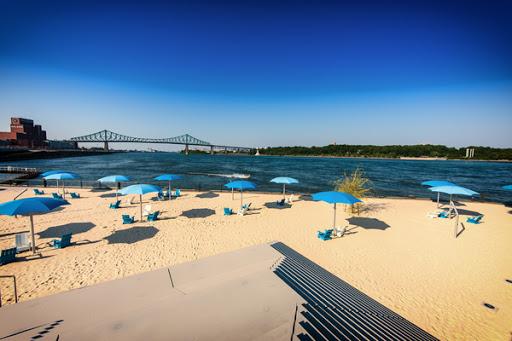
x=393, y=252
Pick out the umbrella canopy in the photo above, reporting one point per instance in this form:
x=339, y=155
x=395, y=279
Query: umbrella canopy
x=336, y=198
x=30, y=207
x=240, y=185
x=62, y=176
x=42, y=175
x=454, y=190
x=436, y=183
x=114, y=179
x=457, y=190
x=285, y=181
x=169, y=178
x=140, y=189
x=508, y=187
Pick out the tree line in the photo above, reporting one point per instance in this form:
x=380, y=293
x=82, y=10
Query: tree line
x=393, y=151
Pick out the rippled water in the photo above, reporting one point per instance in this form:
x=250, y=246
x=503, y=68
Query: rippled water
x=389, y=177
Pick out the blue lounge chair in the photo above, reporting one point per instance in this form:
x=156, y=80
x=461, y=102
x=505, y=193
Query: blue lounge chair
x=75, y=195
x=153, y=216
x=177, y=193
x=443, y=214
x=61, y=243
x=475, y=220
x=8, y=256
x=127, y=219
x=161, y=196
x=326, y=235
x=228, y=211
x=38, y=192
x=115, y=205
x=280, y=202
x=246, y=206
x=56, y=196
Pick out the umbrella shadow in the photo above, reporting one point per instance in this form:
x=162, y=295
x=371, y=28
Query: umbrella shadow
x=207, y=195
x=508, y=203
x=468, y=212
x=132, y=235
x=59, y=230
x=368, y=223
x=274, y=205
x=306, y=197
x=108, y=195
x=372, y=207
x=198, y=213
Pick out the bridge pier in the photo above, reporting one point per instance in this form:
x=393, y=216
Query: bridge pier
x=211, y=150
x=105, y=146
x=186, y=149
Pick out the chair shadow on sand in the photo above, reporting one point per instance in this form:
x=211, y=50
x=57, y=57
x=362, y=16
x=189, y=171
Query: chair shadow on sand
x=468, y=212
x=198, y=213
x=274, y=205
x=368, y=223
x=108, y=195
x=132, y=235
x=59, y=230
x=207, y=195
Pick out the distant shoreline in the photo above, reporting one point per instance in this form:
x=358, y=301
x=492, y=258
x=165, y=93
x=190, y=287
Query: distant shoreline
x=387, y=158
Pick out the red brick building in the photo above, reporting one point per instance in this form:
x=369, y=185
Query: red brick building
x=24, y=133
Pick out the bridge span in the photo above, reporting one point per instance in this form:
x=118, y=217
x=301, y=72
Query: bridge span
x=107, y=136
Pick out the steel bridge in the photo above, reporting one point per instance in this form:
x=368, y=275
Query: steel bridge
x=106, y=136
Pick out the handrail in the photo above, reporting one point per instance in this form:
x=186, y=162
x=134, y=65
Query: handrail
x=15, y=289
x=12, y=169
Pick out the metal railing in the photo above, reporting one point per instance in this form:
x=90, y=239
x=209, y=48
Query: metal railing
x=18, y=170
x=14, y=287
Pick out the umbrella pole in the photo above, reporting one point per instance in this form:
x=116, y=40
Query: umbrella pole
x=438, y=199
x=140, y=197
x=169, y=193
x=232, y=193
x=241, y=198
x=63, y=190
x=284, y=191
x=33, y=236
x=334, y=223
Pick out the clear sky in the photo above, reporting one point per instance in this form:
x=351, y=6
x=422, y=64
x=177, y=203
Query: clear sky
x=262, y=73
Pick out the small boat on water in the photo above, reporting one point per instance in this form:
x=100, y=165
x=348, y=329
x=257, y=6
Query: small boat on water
x=230, y=176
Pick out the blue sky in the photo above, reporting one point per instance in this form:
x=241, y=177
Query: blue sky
x=262, y=73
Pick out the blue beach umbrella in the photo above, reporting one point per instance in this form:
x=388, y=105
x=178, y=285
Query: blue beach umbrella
x=42, y=175
x=140, y=189
x=117, y=179
x=240, y=185
x=62, y=176
x=285, y=181
x=508, y=187
x=30, y=207
x=454, y=190
x=336, y=198
x=169, y=178
x=436, y=183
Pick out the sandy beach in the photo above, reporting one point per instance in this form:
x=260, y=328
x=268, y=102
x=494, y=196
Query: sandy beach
x=392, y=252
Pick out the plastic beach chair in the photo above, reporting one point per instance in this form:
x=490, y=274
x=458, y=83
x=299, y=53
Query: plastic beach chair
x=147, y=210
x=475, y=220
x=127, y=219
x=23, y=242
x=61, y=243
x=56, y=196
x=8, y=256
x=280, y=202
x=75, y=195
x=153, y=216
x=177, y=193
x=38, y=192
x=228, y=211
x=443, y=214
x=161, y=196
x=115, y=205
x=325, y=235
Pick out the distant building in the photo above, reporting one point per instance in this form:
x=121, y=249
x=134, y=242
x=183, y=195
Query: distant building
x=24, y=134
x=62, y=144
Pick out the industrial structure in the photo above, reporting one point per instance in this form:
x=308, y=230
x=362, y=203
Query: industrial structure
x=24, y=133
